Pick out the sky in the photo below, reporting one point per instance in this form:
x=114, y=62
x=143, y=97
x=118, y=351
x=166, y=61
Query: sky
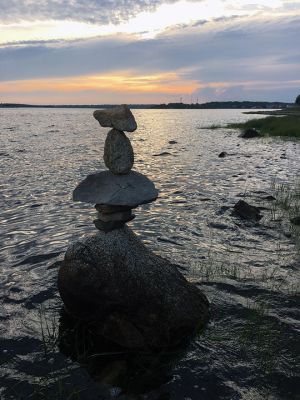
x=149, y=51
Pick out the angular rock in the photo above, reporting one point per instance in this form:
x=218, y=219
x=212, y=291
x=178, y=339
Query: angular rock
x=118, y=152
x=120, y=118
x=246, y=211
x=106, y=188
x=114, y=273
x=250, y=133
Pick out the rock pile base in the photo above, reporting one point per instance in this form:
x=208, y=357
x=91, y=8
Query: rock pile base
x=138, y=298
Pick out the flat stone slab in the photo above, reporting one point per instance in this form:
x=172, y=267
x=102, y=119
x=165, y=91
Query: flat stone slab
x=120, y=118
x=106, y=188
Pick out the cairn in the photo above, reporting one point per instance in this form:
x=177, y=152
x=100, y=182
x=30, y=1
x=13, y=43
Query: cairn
x=134, y=297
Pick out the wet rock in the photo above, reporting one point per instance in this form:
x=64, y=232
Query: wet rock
x=269, y=198
x=246, y=211
x=114, y=280
x=120, y=118
x=118, y=152
x=250, y=133
x=295, y=220
x=223, y=154
x=106, y=188
x=164, y=153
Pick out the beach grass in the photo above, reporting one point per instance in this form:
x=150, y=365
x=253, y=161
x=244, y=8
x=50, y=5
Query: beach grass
x=287, y=126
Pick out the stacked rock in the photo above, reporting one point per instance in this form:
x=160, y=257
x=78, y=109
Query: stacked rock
x=117, y=191
x=133, y=297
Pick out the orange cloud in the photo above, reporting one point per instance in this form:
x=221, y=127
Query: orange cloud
x=169, y=83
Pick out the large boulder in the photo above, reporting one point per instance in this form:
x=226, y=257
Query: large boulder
x=137, y=298
x=120, y=118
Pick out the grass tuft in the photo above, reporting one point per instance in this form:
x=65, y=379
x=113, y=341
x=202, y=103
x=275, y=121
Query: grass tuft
x=288, y=126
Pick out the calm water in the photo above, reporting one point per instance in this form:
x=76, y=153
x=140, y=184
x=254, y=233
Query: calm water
x=250, y=273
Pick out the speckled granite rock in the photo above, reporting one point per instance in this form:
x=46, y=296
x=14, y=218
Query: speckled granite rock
x=112, y=278
x=106, y=188
x=118, y=153
x=120, y=118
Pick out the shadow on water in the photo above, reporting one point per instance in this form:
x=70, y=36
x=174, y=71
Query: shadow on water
x=131, y=372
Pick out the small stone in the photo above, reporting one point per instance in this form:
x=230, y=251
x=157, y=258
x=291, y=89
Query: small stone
x=172, y=142
x=108, y=226
x=120, y=118
x=164, y=153
x=222, y=154
x=119, y=216
x=106, y=188
x=118, y=153
x=246, y=211
x=103, y=209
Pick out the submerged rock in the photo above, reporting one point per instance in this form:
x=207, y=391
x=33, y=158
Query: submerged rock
x=250, y=133
x=295, y=220
x=106, y=188
x=120, y=118
x=118, y=152
x=137, y=298
x=246, y=211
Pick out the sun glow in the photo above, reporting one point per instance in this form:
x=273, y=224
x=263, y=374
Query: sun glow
x=168, y=83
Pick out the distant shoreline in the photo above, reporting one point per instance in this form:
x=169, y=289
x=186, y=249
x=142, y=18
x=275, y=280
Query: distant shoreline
x=211, y=105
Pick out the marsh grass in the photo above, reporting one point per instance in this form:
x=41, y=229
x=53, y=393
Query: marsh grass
x=287, y=206
x=287, y=125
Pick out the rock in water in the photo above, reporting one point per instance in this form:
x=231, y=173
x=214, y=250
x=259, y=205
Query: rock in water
x=246, y=211
x=136, y=297
x=120, y=118
x=106, y=188
x=118, y=152
x=250, y=133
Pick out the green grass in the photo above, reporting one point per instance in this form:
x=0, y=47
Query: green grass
x=288, y=125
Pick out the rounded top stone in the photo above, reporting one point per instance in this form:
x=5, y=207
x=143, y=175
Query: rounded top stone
x=120, y=118
x=106, y=188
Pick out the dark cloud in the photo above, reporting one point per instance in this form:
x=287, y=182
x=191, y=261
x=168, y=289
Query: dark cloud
x=94, y=11
x=232, y=51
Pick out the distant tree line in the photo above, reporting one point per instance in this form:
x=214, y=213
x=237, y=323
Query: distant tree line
x=210, y=105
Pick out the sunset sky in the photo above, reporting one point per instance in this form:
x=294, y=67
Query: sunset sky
x=148, y=51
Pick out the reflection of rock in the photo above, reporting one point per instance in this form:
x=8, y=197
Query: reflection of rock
x=250, y=133
x=112, y=278
x=246, y=211
x=106, y=188
x=124, y=371
x=118, y=152
x=120, y=118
